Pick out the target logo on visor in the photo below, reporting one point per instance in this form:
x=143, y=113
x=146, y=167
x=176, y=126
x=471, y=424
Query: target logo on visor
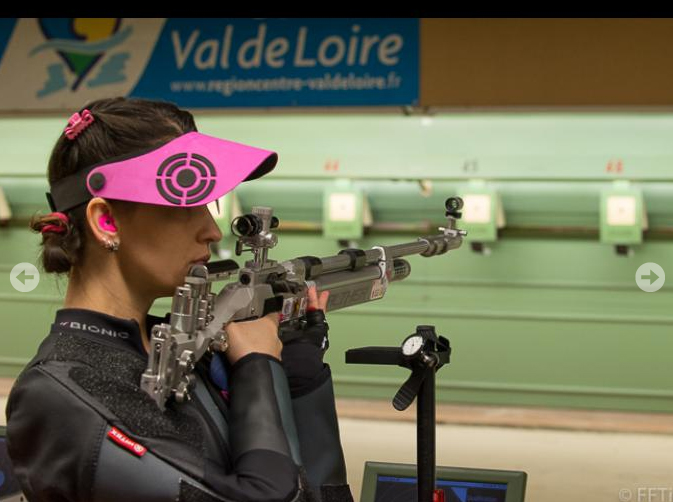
x=185, y=179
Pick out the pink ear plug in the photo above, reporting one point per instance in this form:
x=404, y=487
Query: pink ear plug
x=107, y=222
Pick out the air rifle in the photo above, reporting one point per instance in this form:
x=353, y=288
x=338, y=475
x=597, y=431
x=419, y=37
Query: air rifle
x=198, y=316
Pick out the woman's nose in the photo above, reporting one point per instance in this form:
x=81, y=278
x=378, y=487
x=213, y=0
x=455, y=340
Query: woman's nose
x=211, y=232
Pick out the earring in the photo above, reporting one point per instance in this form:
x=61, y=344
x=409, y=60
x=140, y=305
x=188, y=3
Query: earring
x=112, y=246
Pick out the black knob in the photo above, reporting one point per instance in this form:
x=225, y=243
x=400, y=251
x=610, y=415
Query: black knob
x=97, y=181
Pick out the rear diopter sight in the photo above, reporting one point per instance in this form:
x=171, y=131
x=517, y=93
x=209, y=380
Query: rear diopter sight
x=247, y=225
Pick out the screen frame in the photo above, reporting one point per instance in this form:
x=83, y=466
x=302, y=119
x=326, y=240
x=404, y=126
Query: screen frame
x=16, y=497
x=515, y=480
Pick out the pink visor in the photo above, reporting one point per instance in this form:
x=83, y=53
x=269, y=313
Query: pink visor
x=191, y=170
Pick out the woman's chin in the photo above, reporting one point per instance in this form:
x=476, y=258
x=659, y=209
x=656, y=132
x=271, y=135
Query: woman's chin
x=178, y=280
x=169, y=289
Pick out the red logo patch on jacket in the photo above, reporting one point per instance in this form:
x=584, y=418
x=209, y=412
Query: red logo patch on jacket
x=125, y=442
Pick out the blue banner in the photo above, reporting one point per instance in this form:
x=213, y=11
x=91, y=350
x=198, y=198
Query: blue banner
x=6, y=29
x=62, y=63
x=284, y=62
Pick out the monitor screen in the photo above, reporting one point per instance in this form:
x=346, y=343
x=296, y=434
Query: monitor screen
x=390, y=482
x=404, y=489
x=8, y=483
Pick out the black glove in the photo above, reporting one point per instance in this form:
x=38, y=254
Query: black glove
x=302, y=355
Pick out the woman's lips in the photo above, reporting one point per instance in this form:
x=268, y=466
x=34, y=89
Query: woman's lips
x=202, y=261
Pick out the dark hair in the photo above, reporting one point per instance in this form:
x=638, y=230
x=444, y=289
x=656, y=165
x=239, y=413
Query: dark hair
x=121, y=126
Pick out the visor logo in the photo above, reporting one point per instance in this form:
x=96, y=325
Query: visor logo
x=185, y=179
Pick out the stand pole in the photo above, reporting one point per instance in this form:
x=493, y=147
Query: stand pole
x=423, y=353
x=425, y=437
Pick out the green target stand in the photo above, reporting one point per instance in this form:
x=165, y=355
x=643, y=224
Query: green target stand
x=5, y=210
x=482, y=215
x=623, y=217
x=346, y=211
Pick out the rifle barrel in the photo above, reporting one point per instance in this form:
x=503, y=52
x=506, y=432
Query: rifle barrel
x=428, y=246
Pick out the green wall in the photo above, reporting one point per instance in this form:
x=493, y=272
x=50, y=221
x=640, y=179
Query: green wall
x=551, y=317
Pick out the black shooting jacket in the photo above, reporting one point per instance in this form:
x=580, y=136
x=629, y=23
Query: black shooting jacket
x=80, y=429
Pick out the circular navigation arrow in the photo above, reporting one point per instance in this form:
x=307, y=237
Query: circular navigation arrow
x=650, y=277
x=24, y=277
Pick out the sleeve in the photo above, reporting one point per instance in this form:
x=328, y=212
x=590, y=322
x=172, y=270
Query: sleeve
x=52, y=457
x=61, y=451
x=314, y=410
x=320, y=441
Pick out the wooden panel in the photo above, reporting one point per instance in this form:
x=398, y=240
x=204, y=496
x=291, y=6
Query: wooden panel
x=546, y=62
x=509, y=416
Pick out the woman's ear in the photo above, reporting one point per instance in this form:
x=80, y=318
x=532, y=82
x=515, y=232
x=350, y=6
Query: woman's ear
x=101, y=221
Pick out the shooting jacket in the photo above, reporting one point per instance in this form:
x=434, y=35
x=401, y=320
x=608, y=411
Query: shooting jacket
x=80, y=429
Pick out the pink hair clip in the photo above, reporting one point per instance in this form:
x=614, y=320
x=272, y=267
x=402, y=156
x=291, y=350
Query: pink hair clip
x=77, y=123
x=53, y=228
x=57, y=228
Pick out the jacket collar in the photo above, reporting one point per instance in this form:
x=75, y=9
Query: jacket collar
x=104, y=327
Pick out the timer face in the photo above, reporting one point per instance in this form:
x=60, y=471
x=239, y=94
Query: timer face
x=412, y=345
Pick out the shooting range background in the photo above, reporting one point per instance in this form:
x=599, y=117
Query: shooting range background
x=552, y=317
